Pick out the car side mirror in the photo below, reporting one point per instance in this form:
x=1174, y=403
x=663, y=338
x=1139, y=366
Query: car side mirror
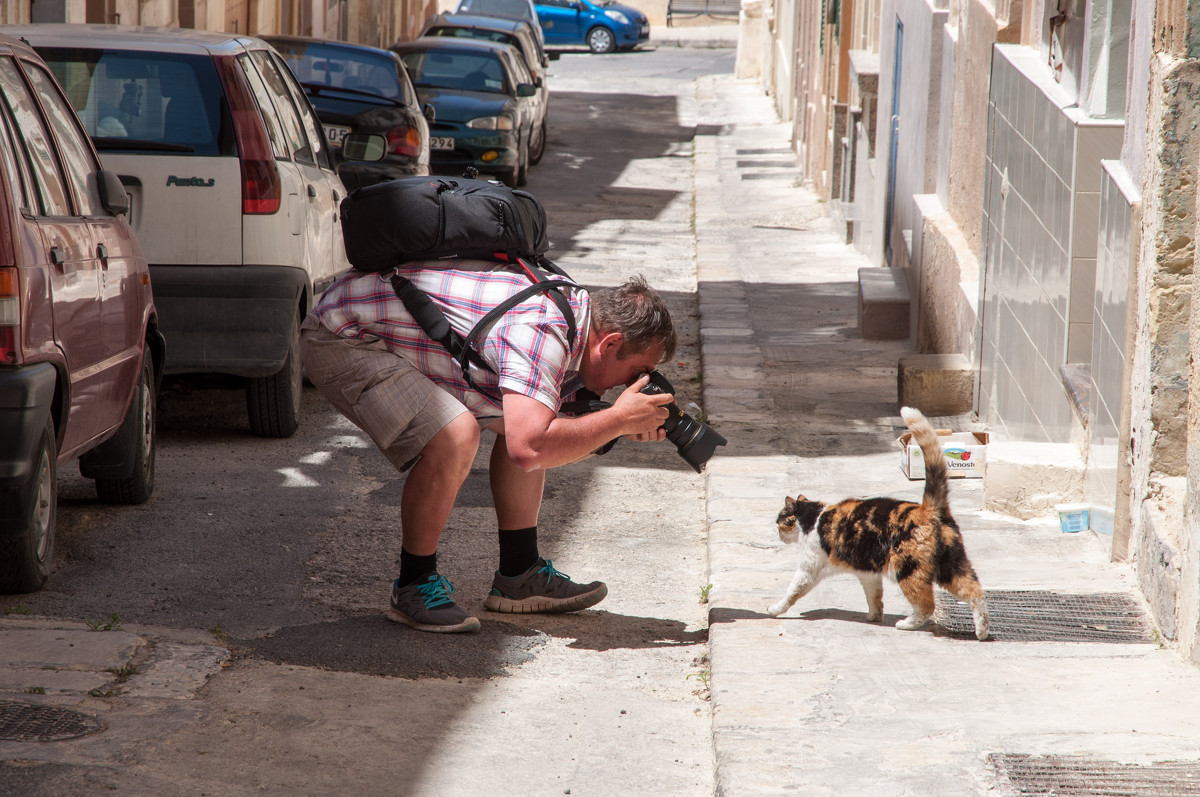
x=113, y=196
x=526, y=89
x=429, y=113
x=369, y=147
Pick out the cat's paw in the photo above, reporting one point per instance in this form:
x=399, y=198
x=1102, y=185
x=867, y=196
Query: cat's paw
x=914, y=622
x=777, y=609
x=875, y=617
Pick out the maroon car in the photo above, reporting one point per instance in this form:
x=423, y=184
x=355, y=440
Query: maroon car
x=80, y=350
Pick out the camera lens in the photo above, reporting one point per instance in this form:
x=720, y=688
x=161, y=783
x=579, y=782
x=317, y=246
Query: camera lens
x=694, y=440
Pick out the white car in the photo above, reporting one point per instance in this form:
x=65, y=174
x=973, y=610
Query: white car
x=233, y=192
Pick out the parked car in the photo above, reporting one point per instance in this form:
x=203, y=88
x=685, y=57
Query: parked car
x=234, y=193
x=486, y=106
x=602, y=26
x=80, y=349
x=504, y=9
x=364, y=89
x=517, y=33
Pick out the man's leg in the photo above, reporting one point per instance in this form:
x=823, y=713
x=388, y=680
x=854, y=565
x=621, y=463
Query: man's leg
x=525, y=582
x=517, y=494
x=416, y=425
x=434, y=482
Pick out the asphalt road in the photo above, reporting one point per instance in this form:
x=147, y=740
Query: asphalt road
x=283, y=550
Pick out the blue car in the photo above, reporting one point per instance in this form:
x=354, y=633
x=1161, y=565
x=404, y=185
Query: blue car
x=603, y=26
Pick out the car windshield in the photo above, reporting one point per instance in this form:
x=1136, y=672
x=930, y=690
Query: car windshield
x=145, y=101
x=343, y=68
x=454, y=69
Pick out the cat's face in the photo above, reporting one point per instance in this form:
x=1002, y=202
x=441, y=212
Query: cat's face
x=798, y=514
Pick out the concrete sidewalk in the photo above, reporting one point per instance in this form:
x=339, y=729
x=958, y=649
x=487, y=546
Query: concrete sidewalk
x=701, y=35
x=819, y=701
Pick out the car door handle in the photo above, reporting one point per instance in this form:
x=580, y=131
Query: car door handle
x=312, y=192
x=56, y=256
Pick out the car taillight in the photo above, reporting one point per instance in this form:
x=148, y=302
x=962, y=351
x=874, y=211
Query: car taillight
x=404, y=141
x=10, y=314
x=261, y=185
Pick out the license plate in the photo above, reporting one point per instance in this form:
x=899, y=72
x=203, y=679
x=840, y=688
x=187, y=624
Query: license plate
x=441, y=142
x=335, y=134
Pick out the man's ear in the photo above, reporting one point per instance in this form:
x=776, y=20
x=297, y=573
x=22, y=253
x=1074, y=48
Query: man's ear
x=611, y=342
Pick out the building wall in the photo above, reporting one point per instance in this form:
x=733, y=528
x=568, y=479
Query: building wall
x=1108, y=407
x=786, y=56
x=1041, y=221
x=1189, y=593
x=14, y=12
x=915, y=127
x=1160, y=359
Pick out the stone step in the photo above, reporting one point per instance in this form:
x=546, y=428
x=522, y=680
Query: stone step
x=936, y=384
x=883, y=304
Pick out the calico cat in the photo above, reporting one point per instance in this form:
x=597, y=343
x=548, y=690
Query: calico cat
x=916, y=544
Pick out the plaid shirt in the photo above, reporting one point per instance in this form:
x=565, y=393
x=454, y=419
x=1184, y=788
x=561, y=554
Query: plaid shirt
x=527, y=346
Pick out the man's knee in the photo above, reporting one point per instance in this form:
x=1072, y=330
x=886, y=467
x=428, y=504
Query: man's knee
x=456, y=442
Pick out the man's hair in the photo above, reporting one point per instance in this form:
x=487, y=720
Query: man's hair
x=638, y=313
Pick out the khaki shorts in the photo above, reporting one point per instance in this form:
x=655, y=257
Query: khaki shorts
x=379, y=391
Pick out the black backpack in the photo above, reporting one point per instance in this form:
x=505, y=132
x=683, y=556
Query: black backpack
x=428, y=218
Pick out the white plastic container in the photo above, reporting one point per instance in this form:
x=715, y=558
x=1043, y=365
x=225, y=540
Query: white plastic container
x=1072, y=517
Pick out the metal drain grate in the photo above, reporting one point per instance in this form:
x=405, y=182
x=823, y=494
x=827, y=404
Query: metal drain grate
x=1079, y=776
x=29, y=722
x=1041, y=616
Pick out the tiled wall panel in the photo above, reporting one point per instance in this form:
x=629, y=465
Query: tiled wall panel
x=1117, y=245
x=1040, y=224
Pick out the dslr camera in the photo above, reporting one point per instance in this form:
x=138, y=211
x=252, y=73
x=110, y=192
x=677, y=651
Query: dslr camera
x=694, y=440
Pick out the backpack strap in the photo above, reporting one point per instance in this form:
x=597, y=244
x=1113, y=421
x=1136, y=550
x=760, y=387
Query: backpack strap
x=551, y=288
x=435, y=324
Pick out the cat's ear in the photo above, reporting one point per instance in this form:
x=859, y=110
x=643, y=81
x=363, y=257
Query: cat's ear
x=807, y=513
x=788, y=503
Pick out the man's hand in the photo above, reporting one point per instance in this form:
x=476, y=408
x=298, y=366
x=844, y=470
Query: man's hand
x=536, y=438
x=643, y=414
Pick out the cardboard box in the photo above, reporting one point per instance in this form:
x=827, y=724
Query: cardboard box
x=966, y=454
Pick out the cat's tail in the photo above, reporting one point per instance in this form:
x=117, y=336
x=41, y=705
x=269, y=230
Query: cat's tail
x=937, y=482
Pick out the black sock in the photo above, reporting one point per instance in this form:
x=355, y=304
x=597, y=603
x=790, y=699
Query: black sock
x=413, y=567
x=518, y=550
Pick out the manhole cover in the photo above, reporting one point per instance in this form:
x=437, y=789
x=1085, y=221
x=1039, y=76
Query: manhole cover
x=1079, y=776
x=1040, y=616
x=29, y=722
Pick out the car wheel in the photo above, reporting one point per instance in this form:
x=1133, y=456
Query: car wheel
x=538, y=146
x=142, y=414
x=600, y=40
x=273, y=402
x=27, y=514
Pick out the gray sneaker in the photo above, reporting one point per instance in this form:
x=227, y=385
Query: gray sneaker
x=541, y=588
x=426, y=606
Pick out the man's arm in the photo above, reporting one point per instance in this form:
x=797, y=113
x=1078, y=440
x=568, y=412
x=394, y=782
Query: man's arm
x=538, y=438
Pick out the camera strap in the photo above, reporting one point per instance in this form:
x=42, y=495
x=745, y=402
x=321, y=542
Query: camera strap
x=435, y=324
